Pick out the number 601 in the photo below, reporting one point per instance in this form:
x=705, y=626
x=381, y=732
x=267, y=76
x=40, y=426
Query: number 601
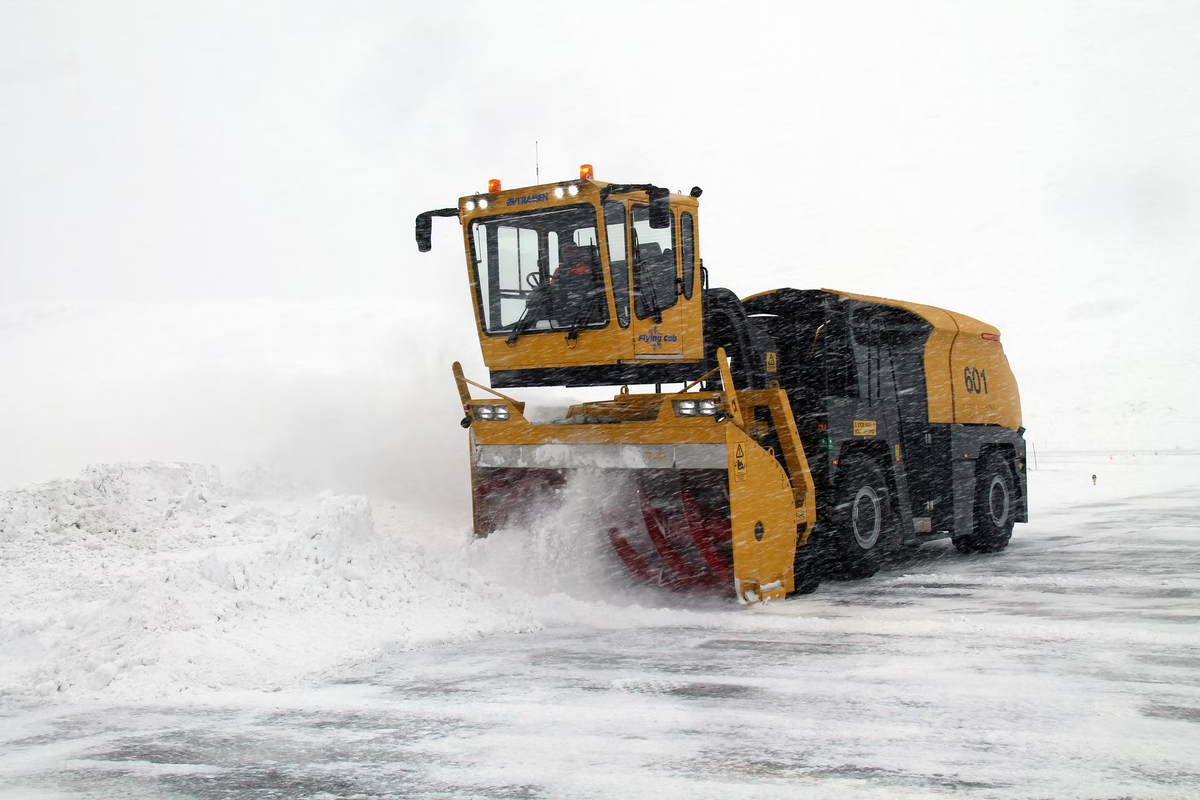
x=976, y=380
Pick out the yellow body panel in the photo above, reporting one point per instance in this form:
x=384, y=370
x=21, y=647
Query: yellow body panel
x=985, y=390
x=967, y=376
x=804, y=490
x=764, y=520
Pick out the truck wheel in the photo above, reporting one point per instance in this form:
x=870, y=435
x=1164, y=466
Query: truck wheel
x=995, y=508
x=864, y=519
x=806, y=569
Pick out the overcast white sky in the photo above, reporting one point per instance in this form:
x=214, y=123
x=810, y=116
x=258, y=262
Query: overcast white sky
x=1032, y=164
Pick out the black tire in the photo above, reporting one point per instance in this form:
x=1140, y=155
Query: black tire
x=726, y=325
x=862, y=534
x=995, y=508
x=806, y=569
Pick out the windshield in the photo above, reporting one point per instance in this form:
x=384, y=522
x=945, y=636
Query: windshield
x=539, y=270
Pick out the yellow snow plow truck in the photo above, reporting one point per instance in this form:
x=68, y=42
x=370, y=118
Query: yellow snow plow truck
x=812, y=433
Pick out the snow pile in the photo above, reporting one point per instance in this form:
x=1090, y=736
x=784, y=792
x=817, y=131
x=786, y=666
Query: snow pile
x=154, y=579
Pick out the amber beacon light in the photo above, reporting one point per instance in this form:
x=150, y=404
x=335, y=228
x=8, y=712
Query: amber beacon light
x=585, y=172
x=494, y=185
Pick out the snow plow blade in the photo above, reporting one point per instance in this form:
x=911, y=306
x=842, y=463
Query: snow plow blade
x=714, y=509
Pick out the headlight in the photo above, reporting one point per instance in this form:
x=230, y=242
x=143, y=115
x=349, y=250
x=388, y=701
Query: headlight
x=490, y=413
x=470, y=205
x=558, y=191
x=483, y=203
x=695, y=408
x=572, y=190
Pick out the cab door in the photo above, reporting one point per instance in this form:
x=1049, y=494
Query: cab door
x=657, y=317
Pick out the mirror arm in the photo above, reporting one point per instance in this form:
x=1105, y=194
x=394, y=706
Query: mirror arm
x=624, y=188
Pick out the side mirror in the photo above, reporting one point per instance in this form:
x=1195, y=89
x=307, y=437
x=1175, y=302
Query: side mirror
x=425, y=226
x=660, y=207
x=424, y=232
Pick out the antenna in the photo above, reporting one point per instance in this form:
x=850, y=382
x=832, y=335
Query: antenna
x=537, y=170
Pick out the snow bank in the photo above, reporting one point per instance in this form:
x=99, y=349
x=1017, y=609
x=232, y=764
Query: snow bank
x=143, y=580
x=137, y=581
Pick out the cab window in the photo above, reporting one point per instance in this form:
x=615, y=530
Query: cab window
x=653, y=254
x=614, y=223
x=539, y=271
x=687, y=246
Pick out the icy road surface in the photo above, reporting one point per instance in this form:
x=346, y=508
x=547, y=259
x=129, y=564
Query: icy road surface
x=1066, y=667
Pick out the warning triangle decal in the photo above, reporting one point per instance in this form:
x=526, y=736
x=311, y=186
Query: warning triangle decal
x=740, y=453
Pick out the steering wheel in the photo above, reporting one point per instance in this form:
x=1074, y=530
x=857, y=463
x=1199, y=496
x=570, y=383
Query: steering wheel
x=534, y=280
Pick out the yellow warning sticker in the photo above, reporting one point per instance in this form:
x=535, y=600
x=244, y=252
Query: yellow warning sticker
x=772, y=362
x=864, y=427
x=739, y=458
x=801, y=514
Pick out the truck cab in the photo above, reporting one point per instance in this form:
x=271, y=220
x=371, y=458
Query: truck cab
x=600, y=280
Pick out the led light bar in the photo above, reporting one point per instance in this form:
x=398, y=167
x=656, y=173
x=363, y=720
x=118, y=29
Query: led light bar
x=490, y=413
x=695, y=408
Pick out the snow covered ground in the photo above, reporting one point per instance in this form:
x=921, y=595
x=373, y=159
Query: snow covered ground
x=169, y=634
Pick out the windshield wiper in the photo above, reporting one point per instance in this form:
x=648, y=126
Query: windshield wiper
x=535, y=304
x=518, y=329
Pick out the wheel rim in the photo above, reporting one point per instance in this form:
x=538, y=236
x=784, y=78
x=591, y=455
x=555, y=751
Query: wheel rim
x=998, y=501
x=866, y=517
